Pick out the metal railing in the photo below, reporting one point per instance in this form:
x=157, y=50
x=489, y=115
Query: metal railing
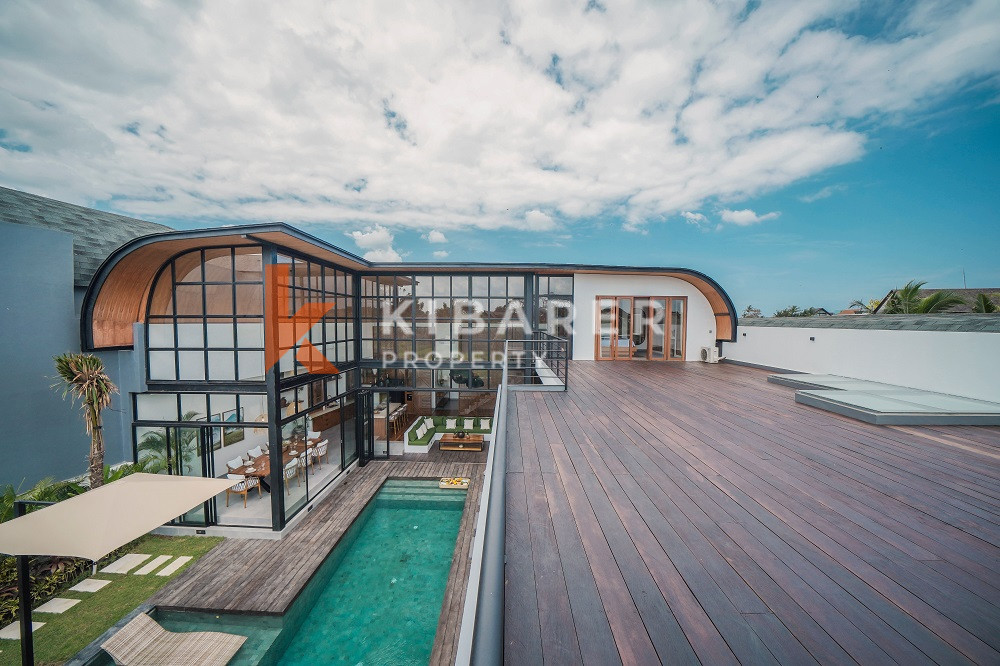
x=481, y=639
x=542, y=359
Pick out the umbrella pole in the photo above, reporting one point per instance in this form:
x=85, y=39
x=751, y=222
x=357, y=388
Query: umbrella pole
x=24, y=609
x=24, y=590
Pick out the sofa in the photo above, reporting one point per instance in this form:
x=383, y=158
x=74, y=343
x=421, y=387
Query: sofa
x=432, y=427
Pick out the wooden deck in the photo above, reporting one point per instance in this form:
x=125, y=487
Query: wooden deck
x=688, y=513
x=265, y=576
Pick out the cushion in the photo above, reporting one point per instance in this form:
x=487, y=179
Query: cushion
x=421, y=431
x=428, y=422
x=484, y=424
x=470, y=424
x=451, y=424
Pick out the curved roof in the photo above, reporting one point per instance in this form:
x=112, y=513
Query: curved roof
x=119, y=293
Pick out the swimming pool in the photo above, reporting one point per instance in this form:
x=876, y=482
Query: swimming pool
x=375, y=599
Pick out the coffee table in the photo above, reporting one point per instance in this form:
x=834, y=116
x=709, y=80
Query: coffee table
x=452, y=442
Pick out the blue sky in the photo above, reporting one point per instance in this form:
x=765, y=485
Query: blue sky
x=800, y=153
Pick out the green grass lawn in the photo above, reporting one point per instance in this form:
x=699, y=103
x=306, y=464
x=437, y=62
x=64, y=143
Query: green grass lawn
x=66, y=634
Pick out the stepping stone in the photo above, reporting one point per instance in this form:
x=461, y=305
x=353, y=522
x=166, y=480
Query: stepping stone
x=57, y=605
x=153, y=564
x=125, y=563
x=89, y=585
x=175, y=565
x=12, y=632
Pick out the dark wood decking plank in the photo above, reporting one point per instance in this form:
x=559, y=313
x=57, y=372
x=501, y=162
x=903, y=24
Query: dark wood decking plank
x=839, y=534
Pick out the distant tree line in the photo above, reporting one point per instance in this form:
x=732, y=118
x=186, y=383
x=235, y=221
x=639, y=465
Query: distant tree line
x=905, y=300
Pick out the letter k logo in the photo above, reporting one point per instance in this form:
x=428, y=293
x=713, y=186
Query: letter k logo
x=286, y=330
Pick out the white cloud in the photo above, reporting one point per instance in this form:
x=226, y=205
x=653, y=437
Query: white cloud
x=372, y=237
x=694, y=218
x=440, y=254
x=334, y=115
x=823, y=193
x=378, y=241
x=435, y=236
x=745, y=217
x=383, y=255
x=536, y=220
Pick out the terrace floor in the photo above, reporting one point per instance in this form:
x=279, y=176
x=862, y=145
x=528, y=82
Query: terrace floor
x=686, y=513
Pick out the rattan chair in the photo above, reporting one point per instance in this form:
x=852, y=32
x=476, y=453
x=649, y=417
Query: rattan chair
x=290, y=470
x=244, y=485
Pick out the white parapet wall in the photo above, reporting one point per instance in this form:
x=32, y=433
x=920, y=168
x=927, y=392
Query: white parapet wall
x=958, y=362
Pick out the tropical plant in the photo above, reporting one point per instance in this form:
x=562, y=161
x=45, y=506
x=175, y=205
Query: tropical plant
x=983, y=304
x=83, y=378
x=752, y=313
x=794, y=311
x=867, y=307
x=907, y=300
x=46, y=490
x=153, y=449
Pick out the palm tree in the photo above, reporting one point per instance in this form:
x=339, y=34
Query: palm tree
x=907, y=300
x=83, y=378
x=939, y=301
x=983, y=304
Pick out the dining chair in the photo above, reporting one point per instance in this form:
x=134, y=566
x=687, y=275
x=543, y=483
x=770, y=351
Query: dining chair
x=322, y=449
x=255, y=452
x=234, y=463
x=292, y=469
x=242, y=487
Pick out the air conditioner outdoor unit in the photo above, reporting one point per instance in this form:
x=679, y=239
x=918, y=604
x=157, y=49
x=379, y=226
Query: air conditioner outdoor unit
x=709, y=355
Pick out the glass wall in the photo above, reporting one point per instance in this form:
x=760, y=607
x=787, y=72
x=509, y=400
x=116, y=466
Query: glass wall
x=317, y=444
x=464, y=318
x=555, y=305
x=205, y=434
x=205, y=320
x=333, y=336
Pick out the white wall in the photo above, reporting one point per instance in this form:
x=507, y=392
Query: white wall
x=587, y=286
x=964, y=364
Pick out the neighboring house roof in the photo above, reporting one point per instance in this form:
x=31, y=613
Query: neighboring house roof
x=968, y=294
x=96, y=234
x=967, y=322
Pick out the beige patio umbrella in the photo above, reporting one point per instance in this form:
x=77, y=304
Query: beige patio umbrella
x=99, y=521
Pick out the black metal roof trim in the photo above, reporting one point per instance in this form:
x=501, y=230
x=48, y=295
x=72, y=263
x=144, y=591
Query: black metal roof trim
x=252, y=232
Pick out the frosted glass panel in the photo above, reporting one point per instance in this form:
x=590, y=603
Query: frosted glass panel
x=192, y=365
x=220, y=334
x=250, y=335
x=251, y=364
x=161, y=335
x=156, y=407
x=190, y=335
x=161, y=365
x=221, y=365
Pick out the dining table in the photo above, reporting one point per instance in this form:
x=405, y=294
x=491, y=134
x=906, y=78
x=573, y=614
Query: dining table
x=260, y=467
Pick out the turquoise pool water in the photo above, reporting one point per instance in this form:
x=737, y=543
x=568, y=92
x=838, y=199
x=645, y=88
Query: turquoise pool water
x=374, y=600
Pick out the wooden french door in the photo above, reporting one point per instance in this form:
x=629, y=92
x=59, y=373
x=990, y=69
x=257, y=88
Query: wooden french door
x=640, y=328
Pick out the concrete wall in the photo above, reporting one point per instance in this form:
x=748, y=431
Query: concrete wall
x=964, y=364
x=587, y=286
x=40, y=434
